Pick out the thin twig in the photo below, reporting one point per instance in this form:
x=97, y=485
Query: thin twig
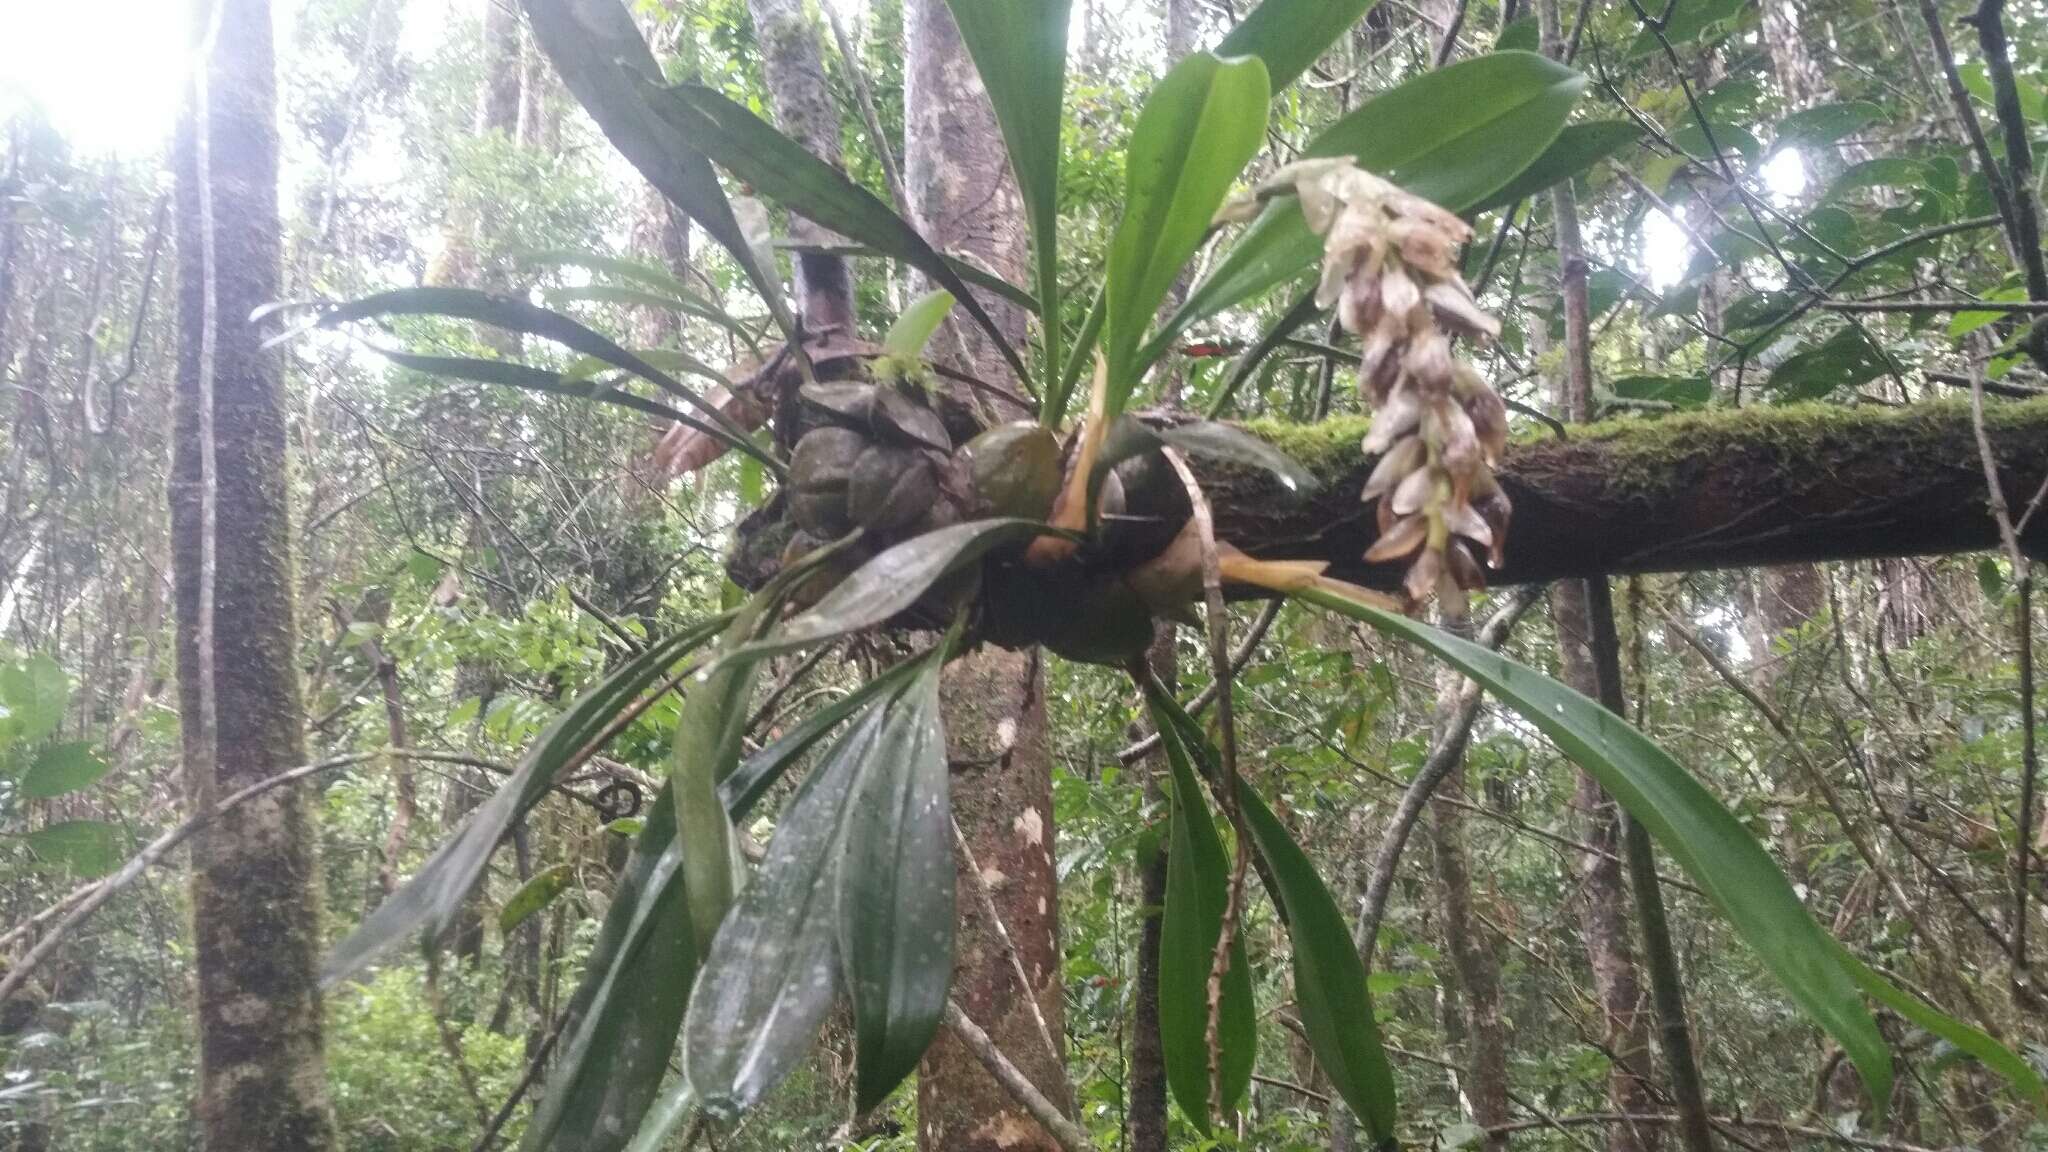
x=89, y=898
x=1447, y=754
x=1070, y=1136
x=1218, y=619
x=1207, y=695
x=995, y=920
x=534, y=1068
x=451, y=1042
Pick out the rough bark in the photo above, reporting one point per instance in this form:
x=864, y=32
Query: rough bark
x=964, y=199
x=497, y=105
x=254, y=880
x=1145, y=1091
x=792, y=60
x=1472, y=950
x=1603, y=912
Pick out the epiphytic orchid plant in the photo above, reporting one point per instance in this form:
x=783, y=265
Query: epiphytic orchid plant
x=898, y=509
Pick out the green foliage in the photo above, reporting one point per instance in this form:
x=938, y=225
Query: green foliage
x=1197, y=130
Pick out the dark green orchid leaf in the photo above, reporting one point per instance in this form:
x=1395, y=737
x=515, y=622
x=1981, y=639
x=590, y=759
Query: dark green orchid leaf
x=2025, y=1080
x=623, y=1019
x=1713, y=847
x=522, y=376
x=1453, y=135
x=646, y=935
x=1289, y=35
x=773, y=970
x=896, y=886
x=1233, y=445
x=979, y=277
x=666, y=359
x=1198, y=128
x=1330, y=989
x=600, y=55
x=1019, y=47
x=516, y=315
x=1571, y=155
x=893, y=581
x=785, y=171
x=707, y=745
x=432, y=899
x=1197, y=886
x=677, y=1103
x=628, y=296
x=1329, y=978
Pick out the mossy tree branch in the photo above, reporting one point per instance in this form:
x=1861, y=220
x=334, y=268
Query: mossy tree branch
x=1684, y=492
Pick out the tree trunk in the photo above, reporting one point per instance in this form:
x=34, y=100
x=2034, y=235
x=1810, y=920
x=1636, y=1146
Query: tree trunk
x=964, y=200
x=1472, y=950
x=255, y=881
x=497, y=105
x=792, y=61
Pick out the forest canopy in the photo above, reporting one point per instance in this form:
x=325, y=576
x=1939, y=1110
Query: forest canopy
x=1023, y=574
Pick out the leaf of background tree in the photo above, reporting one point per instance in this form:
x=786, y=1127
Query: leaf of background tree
x=62, y=768
x=88, y=849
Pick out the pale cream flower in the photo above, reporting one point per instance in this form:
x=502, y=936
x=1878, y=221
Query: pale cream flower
x=1390, y=269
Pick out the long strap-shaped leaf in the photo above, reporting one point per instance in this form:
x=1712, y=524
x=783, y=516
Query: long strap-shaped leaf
x=1452, y=135
x=773, y=970
x=1330, y=989
x=891, y=582
x=433, y=897
x=895, y=894
x=602, y=58
x=1197, y=129
x=646, y=941
x=1290, y=34
x=1713, y=847
x=785, y=171
x=514, y=314
x=1020, y=49
x=623, y=1018
x=1197, y=887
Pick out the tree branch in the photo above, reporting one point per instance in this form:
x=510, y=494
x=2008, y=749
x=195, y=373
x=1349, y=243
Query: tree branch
x=1680, y=493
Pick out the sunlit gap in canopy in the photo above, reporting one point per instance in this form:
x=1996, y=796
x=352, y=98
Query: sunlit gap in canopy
x=105, y=74
x=1667, y=249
